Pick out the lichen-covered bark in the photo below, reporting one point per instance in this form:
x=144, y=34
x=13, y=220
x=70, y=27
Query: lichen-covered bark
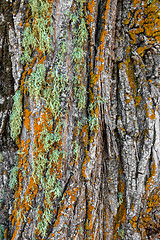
x=85, y=119
x=9, y=75
x=138, y=113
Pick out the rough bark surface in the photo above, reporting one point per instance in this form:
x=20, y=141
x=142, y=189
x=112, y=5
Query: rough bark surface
x=84, y=158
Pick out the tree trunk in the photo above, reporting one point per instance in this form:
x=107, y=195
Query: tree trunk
x=83, y=159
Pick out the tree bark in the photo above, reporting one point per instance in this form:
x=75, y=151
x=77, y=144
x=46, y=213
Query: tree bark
x=80, y=149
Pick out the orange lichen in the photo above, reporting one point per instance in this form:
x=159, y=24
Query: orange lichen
x=130, y=73
x=136, y=2
x=152, y=23
x=5, y=233
x=41, y=59
x=90, y=5
x=147, y=219
x=27, y=113
x=141, y=50
x=134, y=32
x=126, y=21
x=90, y=18
x=101, y=68
x=30, y=71
x=23, y=202
x=152, y=116
x=137, y=100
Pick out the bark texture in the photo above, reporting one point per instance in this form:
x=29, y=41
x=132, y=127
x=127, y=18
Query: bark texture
x=84, y=158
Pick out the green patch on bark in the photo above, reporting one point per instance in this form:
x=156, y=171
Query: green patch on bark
x=37, y=34
x=80, y=38
x=149, y=2
x=1, y=157
x=16, y=115
x=13, y=182
x=48, y=87
x=121, y=233
x=1, y=232
x=36, y=81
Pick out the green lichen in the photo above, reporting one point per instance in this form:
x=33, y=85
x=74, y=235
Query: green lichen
x=36, y=81
x=1, y=157
x=1, y=232
x=120, y=198
x=121, y=233
x=93, y=122
x=37, y=34
x=52, y=94
x=80, y=38
x=48, y=87
x=16, y=115
x=13, y=182
x=149, y=2
x=93, y=118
